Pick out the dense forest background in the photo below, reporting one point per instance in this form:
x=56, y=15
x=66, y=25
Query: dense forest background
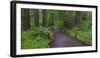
x=37, y=25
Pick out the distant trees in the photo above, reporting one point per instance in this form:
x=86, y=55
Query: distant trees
x=59, y=18
x=78, y=17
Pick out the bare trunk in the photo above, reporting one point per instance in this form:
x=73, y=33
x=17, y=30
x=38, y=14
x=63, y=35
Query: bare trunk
x=25, y=19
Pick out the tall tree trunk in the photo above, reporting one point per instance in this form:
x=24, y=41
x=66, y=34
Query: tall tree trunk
x=36, y=17
x=44, y=17
x=51, y=18
x=25, y=19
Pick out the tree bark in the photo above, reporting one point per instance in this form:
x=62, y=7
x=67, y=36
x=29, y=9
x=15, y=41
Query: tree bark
x=36, y=17
x=25, y=19
x=44, y=17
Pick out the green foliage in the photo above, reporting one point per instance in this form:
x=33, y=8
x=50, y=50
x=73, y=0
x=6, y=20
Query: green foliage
x=35, y=38
x=84, y=36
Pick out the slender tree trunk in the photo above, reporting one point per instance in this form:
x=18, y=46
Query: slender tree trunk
x=52, y=18
x=36, y=17
x=25, y=19
x=44, y=17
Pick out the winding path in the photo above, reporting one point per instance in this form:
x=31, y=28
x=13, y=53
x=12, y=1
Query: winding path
x=62, y=40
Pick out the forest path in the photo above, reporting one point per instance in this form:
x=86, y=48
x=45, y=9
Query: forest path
x=63, y=40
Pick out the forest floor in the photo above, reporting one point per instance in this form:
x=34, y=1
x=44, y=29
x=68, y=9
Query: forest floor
x=63, y=40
